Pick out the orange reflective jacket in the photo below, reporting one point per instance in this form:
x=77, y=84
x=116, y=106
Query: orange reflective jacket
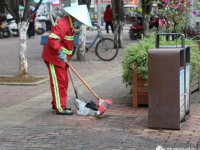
x=61, y=37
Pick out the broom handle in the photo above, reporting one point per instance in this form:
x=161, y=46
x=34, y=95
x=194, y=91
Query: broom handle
x=52, y=22
x=83, y=81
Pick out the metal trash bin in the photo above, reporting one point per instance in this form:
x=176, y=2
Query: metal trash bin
x=169, y=83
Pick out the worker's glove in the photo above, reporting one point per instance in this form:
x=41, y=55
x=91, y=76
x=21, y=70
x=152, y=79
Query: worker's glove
x=62, y=56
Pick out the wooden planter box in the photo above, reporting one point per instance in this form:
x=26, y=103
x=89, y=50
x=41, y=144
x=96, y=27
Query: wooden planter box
x=140, y=95
x=195, y=84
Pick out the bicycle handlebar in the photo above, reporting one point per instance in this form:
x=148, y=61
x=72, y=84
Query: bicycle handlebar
x=97, y=25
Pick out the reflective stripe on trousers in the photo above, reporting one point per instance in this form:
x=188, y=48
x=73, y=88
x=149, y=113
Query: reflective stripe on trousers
x=59, y=84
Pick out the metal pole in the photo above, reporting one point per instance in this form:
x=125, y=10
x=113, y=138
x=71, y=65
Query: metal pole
x=99, y=12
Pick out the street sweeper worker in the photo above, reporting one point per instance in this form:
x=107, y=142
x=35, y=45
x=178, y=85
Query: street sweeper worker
x=58, y=50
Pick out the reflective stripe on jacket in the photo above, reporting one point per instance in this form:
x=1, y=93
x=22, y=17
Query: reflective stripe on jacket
x=61, y=37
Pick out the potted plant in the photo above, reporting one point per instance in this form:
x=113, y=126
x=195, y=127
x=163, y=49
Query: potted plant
x=135, y=61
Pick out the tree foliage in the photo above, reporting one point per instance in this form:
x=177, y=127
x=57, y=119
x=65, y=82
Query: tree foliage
x=136, y=55
x=12, y=7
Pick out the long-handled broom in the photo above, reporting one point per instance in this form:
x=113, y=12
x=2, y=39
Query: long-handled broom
x=102, y=103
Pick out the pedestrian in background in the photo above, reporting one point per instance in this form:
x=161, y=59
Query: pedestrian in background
x=108, y=18
x=31, y=28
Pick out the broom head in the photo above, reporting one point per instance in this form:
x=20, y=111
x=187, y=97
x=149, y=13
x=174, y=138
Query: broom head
x=103, y=104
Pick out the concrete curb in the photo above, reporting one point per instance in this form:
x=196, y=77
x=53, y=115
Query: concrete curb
x=24, y=84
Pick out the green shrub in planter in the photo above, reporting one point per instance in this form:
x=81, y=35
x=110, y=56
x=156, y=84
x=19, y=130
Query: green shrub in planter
x=137, y=54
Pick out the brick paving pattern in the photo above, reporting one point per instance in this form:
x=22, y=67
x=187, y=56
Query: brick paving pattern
x=28, y=123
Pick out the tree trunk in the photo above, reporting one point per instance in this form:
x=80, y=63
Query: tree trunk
x=82, y=41
x=82, y=35
x=23, y=64
x=120, y=35
x=12, y=7
x=115, y=25
x=2, y=6
x=118, y=20
x=87, y=2
x=146, y=19
x=146, y=10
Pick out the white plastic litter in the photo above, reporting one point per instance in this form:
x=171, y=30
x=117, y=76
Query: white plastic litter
x=84, y=111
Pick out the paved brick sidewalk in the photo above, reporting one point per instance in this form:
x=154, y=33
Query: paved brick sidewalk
x=28, y=123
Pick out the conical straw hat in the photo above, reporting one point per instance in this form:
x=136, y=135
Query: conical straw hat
x=80, y=12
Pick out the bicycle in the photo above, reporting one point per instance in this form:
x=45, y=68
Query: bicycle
x=106, y=49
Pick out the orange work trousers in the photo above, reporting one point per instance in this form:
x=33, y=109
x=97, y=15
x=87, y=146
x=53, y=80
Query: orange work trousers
x=59, y=84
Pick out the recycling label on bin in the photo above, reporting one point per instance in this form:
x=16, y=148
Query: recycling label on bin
x=187, y=86
x=182, y=108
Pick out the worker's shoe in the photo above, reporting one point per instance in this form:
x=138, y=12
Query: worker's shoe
x=54, y=108
x=66, y=112
x=68, y=108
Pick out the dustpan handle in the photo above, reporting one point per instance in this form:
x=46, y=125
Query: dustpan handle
x=82, y=80
x=72, y=80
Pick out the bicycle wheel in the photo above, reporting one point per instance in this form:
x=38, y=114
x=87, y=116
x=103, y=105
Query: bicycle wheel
x=106, y=49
